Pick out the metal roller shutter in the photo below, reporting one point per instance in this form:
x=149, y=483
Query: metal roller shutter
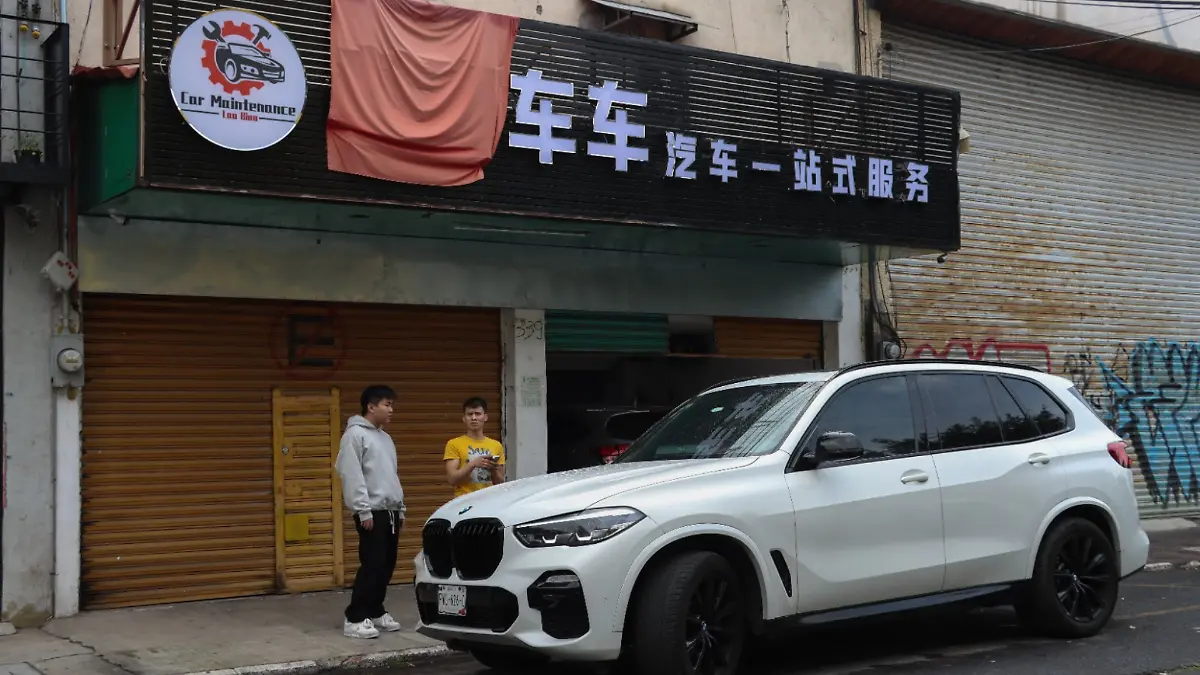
x=1080, y=244
x=769, y=338
x=178, y=499
x=435, y=358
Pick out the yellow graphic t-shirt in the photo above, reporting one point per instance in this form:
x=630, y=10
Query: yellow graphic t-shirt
x=464, y=449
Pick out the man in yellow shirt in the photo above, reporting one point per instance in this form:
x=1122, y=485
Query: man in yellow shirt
x=474, y=461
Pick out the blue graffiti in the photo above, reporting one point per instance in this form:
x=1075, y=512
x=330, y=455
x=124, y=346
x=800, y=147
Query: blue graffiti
x=1158, y=409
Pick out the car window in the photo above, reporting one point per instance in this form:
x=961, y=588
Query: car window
x=244, y=50
x=961, y=413
x=736, y=422
x=1047, y=413
x=629, y=426
x=1014, y=424
x=877, y=411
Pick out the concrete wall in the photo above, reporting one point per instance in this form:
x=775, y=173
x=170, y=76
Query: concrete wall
x=95, y=31
x=174, y=258
x=809, y=32
x=28, y=318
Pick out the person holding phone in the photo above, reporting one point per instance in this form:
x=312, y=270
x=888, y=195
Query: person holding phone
x=474, y=461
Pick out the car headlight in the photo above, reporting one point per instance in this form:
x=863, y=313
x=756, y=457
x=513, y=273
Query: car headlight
x=578, y=529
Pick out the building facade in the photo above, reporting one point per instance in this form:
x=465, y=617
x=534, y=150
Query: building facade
x=1079, y=241
x=234, y=302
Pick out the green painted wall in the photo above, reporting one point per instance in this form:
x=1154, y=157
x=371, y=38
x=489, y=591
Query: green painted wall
x=607, y=332
x=107, y=139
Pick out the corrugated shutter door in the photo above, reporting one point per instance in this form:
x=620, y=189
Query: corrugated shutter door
x=1080, y=244
x=607, y=332
x=435, y=358
x=768, y=338
x=177, y=439
x=177, y=466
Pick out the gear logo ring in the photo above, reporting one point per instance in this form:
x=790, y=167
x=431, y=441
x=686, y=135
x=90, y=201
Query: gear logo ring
x=209, y=60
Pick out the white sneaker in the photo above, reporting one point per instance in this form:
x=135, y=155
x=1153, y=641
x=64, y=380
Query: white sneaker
x=386, y=623
x=363, y=630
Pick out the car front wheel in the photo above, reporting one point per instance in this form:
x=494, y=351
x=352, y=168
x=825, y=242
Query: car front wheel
x=690, y=618
x=1073, y=591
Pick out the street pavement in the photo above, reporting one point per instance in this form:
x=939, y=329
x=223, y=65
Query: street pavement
x=1156, y=629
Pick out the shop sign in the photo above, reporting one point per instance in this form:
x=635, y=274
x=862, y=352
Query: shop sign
x=237, y=79
x=717, y=157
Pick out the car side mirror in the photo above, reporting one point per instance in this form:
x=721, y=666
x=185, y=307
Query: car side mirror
x=837, y=446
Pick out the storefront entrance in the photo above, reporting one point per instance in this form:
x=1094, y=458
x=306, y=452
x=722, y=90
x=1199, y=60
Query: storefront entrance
x=210, y=426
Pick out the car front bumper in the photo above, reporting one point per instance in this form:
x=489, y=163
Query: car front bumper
x=561, y=602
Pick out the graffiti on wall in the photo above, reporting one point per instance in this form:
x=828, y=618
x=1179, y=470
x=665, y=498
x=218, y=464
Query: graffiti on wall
x=1156, y=404
x=1148, y=394
x=988, y=349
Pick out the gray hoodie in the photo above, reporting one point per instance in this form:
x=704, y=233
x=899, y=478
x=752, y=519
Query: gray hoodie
x=366, y=462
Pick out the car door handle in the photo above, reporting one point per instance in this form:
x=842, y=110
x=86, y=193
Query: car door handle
x=914, y=477
x=1039, y=458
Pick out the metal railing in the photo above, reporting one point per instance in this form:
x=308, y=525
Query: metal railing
x=34, y=101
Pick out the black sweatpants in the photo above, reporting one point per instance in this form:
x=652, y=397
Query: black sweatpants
x=377, y=549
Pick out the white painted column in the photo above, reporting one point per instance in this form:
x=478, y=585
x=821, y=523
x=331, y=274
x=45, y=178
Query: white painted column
x=28, y=319
x=68, y=511
x=523, y=335
x=851, y=343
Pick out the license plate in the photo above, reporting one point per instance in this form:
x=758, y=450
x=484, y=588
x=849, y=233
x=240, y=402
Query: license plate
x=452, y=600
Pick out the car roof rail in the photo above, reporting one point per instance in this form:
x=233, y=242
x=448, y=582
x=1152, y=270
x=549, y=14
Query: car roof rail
x=924, y=361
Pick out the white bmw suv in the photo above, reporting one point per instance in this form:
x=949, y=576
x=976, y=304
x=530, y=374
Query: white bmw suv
x=878, y=488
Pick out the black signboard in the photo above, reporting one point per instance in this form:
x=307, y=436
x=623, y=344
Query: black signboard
x=659, y=134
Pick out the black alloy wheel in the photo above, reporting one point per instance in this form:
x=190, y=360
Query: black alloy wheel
x=1082, y=575
x=690, y=618
x=713, y=626
x=1074, y=588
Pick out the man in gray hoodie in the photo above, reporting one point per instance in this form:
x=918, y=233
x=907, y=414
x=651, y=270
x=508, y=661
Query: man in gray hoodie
x=371, y=488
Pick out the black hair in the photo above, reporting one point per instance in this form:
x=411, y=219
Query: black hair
x=475, y=402
x=375, y=393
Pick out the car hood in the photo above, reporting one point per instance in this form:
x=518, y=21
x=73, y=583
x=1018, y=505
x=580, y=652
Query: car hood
x=521, y=501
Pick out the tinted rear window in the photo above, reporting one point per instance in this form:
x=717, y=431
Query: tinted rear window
x=1046, y=412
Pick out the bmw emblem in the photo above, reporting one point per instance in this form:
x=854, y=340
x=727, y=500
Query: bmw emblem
x=468, y=508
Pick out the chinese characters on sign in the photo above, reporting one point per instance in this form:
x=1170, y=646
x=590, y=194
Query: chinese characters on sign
x=683, y=151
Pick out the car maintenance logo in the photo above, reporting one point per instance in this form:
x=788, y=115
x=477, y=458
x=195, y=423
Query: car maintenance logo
x=237, y=79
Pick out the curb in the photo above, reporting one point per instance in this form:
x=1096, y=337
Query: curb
x=339, y=663
x=1167, y=567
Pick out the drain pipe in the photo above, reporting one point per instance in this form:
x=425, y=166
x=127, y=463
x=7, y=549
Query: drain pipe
x=67, y=450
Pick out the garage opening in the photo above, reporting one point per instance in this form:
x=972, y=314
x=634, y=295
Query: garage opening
x=611, y=376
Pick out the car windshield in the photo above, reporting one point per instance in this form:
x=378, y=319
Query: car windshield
x=738, y=422
x=244, y=50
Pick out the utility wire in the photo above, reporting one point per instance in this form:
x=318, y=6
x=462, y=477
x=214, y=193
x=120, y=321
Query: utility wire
x=1115, y=38
x=1122, y=4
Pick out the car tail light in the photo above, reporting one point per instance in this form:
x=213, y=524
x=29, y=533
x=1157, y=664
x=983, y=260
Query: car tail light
x=1117, y=450
x=609, y=453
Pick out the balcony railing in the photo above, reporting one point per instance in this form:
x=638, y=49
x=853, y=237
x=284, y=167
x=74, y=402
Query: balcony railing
x=34, y=101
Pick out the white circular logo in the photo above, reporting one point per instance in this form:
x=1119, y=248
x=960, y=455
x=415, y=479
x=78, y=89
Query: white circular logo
x=238, y=80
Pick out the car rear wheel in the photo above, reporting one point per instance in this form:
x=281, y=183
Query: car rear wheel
x=1073, y=591
x=690, y=618
x=515, y=661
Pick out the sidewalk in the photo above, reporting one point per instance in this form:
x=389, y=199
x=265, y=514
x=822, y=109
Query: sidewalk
x=297, y=634
x=1174, y=544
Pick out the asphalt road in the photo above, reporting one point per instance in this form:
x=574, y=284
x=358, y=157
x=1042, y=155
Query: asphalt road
x=1156, y=629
